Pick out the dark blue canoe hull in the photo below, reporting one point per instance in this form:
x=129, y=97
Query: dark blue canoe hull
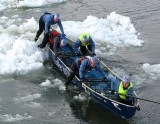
x=122, y=110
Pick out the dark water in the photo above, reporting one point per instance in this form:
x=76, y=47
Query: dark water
x=58, y=107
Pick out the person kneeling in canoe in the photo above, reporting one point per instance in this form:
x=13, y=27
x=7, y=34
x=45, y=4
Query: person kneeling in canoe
x=124, y=88
x=56, y=41
x=80, y=65
x=84, y=42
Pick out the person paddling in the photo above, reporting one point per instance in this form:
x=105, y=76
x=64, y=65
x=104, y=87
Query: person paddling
x=84, y=42
x=125, y=87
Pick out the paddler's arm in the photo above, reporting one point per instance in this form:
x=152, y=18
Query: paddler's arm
x=93, y=45
x=82, y=68
x=76, y=46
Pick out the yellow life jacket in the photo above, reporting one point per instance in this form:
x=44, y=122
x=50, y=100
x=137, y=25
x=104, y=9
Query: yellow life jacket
x=122, y=91
x=81, y=39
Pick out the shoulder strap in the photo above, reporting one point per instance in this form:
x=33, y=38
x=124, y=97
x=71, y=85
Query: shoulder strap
x=52, y=35
x=81, y=59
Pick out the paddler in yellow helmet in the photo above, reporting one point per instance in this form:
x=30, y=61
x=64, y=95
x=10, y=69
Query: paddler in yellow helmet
x=84, y=42
x=124, y=87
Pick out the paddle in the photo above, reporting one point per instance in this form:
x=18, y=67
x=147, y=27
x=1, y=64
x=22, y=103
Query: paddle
x=136, y=97
x=93, y=80
x=66, y=53
x=110, y=70
x=69, y=54
x=107, y=67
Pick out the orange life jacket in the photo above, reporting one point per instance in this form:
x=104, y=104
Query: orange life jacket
x=81, y=59
x=52, y=35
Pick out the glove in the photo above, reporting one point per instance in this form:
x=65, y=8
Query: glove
x=112, y=91
x=105, y=79
x=93, y=54
x=35, y=39
x=63, y=36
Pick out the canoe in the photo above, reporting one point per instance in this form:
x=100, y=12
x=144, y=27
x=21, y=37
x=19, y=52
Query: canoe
x=94, y=87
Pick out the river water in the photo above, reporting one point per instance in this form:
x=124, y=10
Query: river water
x=126, y=34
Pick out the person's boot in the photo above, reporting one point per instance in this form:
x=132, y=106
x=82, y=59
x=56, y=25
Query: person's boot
x=40, y=46
x=35, y=39
x=66, y=84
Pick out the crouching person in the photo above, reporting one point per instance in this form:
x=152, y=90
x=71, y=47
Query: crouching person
x=80, y=65
x=56, y=41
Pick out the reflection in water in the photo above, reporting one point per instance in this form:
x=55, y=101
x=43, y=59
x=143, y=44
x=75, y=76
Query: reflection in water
x=84, y=106
x=89, y=111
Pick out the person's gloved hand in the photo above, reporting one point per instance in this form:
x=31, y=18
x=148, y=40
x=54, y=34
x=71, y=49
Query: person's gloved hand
x=35, y=39
x=93, y=54
x=63, y=36
x=112, y=91
x=105, y=79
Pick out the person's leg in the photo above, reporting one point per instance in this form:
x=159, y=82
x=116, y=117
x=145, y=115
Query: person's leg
x=120, y=100
x=83, y=50
x=128, y=102
x=51, y=46
x=73, y=73
x=56, y=45
x=89, y=47
x=44, y=41
x=41, y=28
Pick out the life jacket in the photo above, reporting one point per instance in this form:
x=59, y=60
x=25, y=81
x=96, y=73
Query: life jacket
x=81, y=39
x=52, y=35
x=124, y=91
x=81, y=59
